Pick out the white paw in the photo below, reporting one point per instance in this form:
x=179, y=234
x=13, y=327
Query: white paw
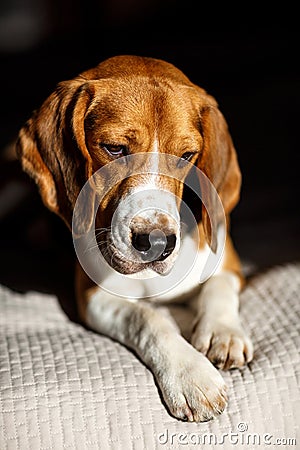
x=226, y=346
x=191, y=386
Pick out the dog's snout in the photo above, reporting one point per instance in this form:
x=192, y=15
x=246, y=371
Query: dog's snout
x=156, y=244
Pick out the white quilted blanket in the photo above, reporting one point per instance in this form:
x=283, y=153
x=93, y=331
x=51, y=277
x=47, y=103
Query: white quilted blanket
x=63, y=387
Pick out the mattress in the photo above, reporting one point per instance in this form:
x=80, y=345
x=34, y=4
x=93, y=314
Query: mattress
x=65, y=387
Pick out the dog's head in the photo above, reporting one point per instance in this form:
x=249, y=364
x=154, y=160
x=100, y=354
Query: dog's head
x=131, y=105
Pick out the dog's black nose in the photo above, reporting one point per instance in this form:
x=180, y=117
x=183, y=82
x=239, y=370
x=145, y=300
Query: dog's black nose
x=171, y=242
x=141, y=241
x=155, y=246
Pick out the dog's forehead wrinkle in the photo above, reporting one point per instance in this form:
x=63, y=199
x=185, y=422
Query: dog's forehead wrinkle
x=140, y=96
x=173, y=129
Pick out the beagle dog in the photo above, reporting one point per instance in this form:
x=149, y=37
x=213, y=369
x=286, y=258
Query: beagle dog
x=146, y=109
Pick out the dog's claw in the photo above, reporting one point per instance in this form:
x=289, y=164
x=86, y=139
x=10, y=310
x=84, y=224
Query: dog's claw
x=227, y=347
x=193, y=388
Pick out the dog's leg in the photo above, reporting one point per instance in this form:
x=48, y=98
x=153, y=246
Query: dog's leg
x=192, y=388
x=217, y=331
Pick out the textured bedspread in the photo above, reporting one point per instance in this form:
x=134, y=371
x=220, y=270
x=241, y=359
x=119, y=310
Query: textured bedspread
x=63, y=387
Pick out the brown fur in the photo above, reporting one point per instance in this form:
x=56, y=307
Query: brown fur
x=124, y=101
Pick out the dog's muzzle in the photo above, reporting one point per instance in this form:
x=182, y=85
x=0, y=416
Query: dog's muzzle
x=145, y=232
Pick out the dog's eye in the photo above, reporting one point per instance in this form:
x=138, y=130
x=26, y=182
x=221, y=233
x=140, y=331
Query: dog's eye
x=187, y=156
x=115, y=150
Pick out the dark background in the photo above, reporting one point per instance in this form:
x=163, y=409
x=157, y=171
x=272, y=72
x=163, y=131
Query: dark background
x=245, y=56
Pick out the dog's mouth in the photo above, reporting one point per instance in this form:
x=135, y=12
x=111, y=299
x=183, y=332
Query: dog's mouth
x=154, y=252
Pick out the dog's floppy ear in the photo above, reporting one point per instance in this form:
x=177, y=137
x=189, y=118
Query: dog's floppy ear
x=52, y=150
x=218, y=162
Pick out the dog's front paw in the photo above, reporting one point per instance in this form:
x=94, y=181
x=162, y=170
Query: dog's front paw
x=226, y=346
x=192, y=387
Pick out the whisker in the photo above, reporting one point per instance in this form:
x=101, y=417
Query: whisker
x=92, y=240
x=103, y=228
x=112, y=258
x=92, y=247
x=99, y=231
